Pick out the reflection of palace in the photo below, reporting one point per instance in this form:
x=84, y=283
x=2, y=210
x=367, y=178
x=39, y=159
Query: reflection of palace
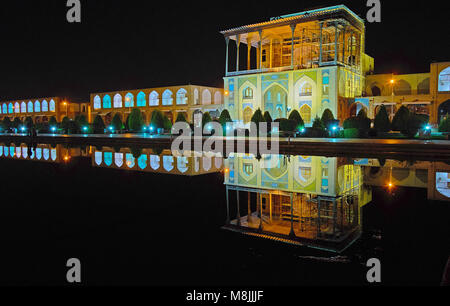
x=149, y=161
x=300, y=199
x=314, y=60
x=433, y=176
x=40, y=153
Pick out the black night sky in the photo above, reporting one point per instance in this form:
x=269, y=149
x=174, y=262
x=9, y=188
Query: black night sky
x=138, y=44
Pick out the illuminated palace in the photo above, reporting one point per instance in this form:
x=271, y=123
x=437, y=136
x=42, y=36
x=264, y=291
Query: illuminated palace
x=309, y=62
x=191, y=100
x=42, y=109
x=315, y=60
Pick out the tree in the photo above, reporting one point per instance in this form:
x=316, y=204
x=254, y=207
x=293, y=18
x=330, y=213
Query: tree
x=400, y=121
x=65, y=124
x=167, y=124
x=258, y=118
x=413, y=124
x=206, y=118
x=117, y=123
x=382, y=122
x=98, y=125
x=52, y=122
x=225, y=118
x=363, y=122
x=6, y=123
x=29, y=124
x=135, y=120
x=318, y=124
x=181, y=117
x=444, y=126
x=327, y=118
x=295, y=116
x=16, y=123
x=268, y=117
x=157, y=120
x=81, y=122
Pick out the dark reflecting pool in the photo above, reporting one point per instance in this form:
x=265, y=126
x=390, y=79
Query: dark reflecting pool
x=145, y=216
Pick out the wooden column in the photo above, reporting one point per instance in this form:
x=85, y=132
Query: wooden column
x=321, y=42
x=249, y=209
x=228, y=206
x=336, y=50
x=238, y=44
x=260, y=213
x=238, y=210
x=293, y=26
x=249, y=54
x=260, y=50
x=292, y=233
x=227, y=42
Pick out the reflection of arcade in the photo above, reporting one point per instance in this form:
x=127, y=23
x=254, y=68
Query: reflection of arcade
x=39, y=152
x=313, y=215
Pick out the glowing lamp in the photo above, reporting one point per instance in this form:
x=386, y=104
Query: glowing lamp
x=428, y=128
x=152, y=128
x=53, y=129
x=334, y=128
x=227, y=93
x=226, y=170
x=392, y=81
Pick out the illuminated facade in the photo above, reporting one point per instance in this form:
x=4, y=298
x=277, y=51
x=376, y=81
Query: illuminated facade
x=309, y=62
x=297, y=199
x=41, y=110
x=147, y=160
x=190, y=100
x=423, y=93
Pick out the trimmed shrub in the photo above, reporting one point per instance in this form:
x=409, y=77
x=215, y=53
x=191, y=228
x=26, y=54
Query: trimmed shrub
x=318, y=124
x=157, y=120
x=413, y=125
x=351, y=133
x=206, y=118
x=181, y=118
x=268, y=117
x=65, y=124
x=287, y=125
x=400, y=121
x=225, y=117
x=135, y=120
x=382, y=122
x=98, y=125
x=167, y=124
x=295, y=116
x=6, y=123
x=29, y=124
x=16, y=123
x=328, y=118
x=117, y=123
x=444, y=126
x=257, y=118
x=52, y=122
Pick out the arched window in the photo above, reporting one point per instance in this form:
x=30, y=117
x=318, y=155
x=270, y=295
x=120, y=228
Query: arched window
x=248, y=93
x=46, y=154
x=4, y=109
x=17, y=108
x=107, y=101
x=402, y=88
x=129, y=100
x=154, y=98
x=207, y=163
x=30, y=107
x=118, y=159
x=248, y=113
x=108, y=156
x=142, y=161
x=167, y=98
x=444, y=80
x=118, y=101
x=168, y=163
x=154, y=162
x=141, y=102
x=37, y=107
x=196, y=97
x=11, y=108
x=97, y=102
x=306, y=90
x=217, y=98
x=182, y=164
x=44, y=106
x=130, y=161
x=182, y=97
x=98, y=158
x=52, y=154
x=305, y=113
x=206, y=97
x=23, y=107
x=52, y=105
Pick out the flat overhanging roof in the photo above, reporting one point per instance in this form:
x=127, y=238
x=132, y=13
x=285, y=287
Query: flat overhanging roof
x=339, y=11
